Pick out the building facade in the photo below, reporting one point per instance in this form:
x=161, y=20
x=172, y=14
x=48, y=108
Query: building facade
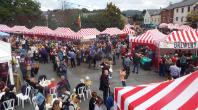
x=180, y=14
x=156, y=19
x=167, y=16
x=147, y=18
x=176, y=13
x=152, y=17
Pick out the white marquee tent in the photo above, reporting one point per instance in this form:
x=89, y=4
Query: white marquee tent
x=5, y=56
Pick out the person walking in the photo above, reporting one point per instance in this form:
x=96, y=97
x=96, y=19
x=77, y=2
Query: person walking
x=183, y=64
x=136, y=63
x=72, y=55
x=104, y=84
x=127, y=63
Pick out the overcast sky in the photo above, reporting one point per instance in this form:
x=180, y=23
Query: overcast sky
x=101, y=4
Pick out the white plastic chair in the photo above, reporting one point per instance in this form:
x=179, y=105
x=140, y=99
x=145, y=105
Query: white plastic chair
x=33, y=91
x=9, y=104
x=26, y=83
x=88, y=91
x=34, y=103
x=81, y=92
x=24, y=97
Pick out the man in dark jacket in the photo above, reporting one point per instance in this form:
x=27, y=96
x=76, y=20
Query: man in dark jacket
x=7, y=96
x=92, y=101
x=104, y=84
x=81, y=84
x=136, y=62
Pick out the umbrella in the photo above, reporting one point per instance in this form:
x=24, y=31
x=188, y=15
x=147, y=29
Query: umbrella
x=3, y=34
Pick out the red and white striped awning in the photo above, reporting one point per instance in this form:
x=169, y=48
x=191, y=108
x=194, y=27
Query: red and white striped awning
x=19, y=29
x=88, y=33
x=173, y=26
x=41, y=30
x=4, y=28
x=64, y=32
x=128, y=31
x=185, y=28
x=128, y=26
x=179, y=94
x=183, y=36
x=112, y=31
x=150, y=37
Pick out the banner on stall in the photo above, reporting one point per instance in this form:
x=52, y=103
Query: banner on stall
x=179, y=45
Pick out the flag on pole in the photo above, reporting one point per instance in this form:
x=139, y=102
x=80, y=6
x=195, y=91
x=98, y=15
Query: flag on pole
x=79, y=21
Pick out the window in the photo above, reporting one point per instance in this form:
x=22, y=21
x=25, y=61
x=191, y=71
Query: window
x=188, y=8
x=177, y=10
x=182, y=10
x=176, y=18
x=182, y=19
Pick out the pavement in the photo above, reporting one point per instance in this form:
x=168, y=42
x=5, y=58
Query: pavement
x=75, y=74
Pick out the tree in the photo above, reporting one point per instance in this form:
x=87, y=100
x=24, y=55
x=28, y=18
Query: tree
x=192, y=18
x=102, y=19
x=20, y=12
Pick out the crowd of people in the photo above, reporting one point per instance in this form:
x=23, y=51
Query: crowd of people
x=177, y=64
x=29, y=53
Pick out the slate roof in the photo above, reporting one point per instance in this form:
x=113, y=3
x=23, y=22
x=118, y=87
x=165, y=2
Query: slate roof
x=154, y=11
x=182, y=4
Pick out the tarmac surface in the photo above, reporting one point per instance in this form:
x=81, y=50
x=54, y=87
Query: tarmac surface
x=75, y=74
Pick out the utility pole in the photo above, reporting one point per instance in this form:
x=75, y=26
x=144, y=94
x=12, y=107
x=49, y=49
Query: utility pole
x=46, y=16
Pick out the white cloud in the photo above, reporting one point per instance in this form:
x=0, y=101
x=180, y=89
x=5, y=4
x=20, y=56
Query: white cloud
x=101, y=4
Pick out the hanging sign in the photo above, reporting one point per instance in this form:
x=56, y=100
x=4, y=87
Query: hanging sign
x=179, y=45
x=185, y=45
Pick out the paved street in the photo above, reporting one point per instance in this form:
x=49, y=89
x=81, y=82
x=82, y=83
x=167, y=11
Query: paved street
x=75, y=74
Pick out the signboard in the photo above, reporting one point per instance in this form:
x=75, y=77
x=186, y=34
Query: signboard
x=179, y=45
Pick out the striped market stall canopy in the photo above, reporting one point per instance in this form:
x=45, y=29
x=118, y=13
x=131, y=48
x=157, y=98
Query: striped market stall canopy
x=41, y=30
x=128, y=26
x=150, y=37
x=173, y=26
x=128, y=31
x=179, y=94
x=5, y=28
x=88, y=33
x=185, y=27
x=64, y=32
x=19, y=29
x=183, y=36
x=112, y=31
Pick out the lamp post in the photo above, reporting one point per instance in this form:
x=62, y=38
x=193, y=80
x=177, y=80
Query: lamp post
x=46, y=17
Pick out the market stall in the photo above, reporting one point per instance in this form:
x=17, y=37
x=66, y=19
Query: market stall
x=5, y=57
x=149, y=41
x=19, y=29
x=88, y=34
x=4, y=28
x=112, y=31
x=65, y=33
x=183, y=40
x=42, y=31
x=179, y=94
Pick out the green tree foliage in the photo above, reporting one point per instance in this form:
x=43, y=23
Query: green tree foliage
x=110, y=17
x=192, y=18
x=20, y=12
